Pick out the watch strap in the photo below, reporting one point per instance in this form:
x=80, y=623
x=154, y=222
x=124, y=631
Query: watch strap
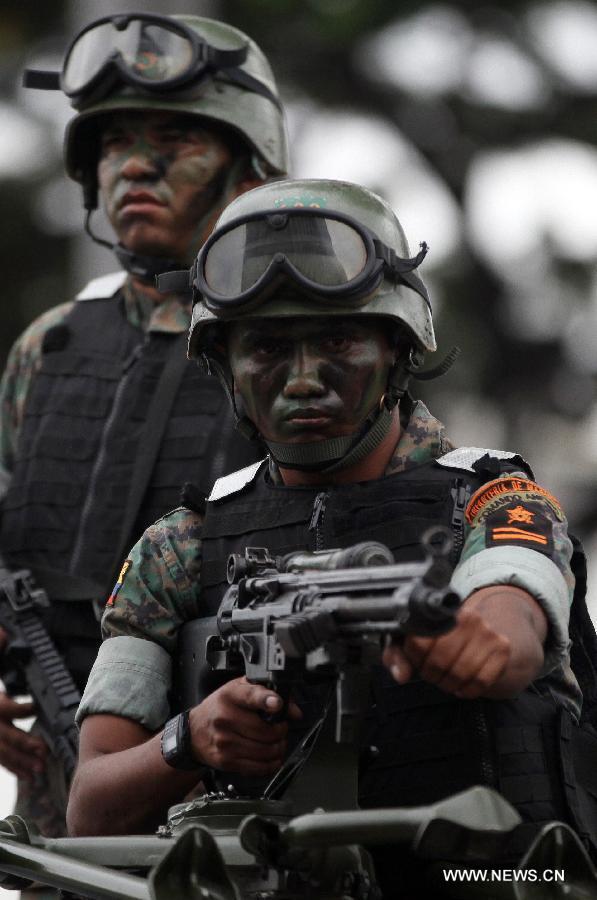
x=176, y=744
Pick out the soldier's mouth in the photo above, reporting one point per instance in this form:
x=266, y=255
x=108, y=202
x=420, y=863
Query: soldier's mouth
x=138, y=201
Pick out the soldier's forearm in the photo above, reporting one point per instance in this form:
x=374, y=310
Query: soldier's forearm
x=516, y=615
x=122, y=784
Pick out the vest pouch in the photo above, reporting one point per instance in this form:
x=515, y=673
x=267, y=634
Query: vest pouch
x=578, y=758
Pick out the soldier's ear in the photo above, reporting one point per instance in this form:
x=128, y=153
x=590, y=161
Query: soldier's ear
x=247, y=182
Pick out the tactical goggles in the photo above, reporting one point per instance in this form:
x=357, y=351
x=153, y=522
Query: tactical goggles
x=151, y=52
x=326, y=253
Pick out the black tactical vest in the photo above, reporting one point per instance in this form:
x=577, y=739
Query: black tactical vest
x=430, y=743
x=77, y=449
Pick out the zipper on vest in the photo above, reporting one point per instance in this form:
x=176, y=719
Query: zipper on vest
x=482, y=729
x=127, y=369
x=461, y=493
x=317, y=517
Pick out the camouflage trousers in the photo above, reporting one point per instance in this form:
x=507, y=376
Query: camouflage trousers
x=42, y=802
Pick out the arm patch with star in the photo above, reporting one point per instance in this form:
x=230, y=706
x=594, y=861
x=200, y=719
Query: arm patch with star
x=522, y=524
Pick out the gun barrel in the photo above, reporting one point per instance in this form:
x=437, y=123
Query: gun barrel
x=390, y=606
x=95, y=882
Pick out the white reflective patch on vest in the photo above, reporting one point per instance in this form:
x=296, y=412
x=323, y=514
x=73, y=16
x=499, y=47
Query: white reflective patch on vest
x=464, y=457
x=103, y=287
x=236, y=481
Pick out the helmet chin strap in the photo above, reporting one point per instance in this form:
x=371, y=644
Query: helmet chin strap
x=335, y=454
x=140, y=265
x=145, y=266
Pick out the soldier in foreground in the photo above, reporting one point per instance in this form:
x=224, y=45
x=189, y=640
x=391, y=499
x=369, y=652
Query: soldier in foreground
x=102, y=420
x=312, y=314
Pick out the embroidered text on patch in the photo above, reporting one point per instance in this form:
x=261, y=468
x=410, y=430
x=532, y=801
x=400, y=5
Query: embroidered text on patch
x=491, y=496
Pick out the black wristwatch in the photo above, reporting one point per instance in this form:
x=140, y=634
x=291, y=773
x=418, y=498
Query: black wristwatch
x=176, y=743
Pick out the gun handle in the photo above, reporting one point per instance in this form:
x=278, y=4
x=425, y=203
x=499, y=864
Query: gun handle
x=283, y=691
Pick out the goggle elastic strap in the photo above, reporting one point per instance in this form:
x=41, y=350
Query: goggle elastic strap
x=48, y=80
x=41, y=79
x=402, y=269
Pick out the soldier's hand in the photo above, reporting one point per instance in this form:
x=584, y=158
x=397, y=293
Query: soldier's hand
x=23, y=754
x=495, y=650
x=466, y=661
x=228, y=732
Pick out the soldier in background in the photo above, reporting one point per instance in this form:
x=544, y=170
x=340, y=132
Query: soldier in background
x=312, y=314
x=102, y=419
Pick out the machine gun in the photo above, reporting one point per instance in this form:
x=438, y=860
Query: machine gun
x=31, y=664
x=322, y=616
x=319, y=616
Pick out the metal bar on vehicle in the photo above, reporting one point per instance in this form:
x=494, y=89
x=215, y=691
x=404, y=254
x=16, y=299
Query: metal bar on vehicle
x=93, y=882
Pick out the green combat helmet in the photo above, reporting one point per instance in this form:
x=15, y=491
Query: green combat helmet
x=342, y=251
x=180, y=64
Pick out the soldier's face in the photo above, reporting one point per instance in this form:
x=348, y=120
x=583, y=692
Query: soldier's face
x=160, y=175
x=305, y=380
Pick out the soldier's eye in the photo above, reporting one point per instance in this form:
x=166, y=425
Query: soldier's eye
x=113, y=139
x=339, y=342
x=269, y=346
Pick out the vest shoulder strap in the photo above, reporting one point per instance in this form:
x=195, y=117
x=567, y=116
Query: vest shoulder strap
x=103, y=287
x=192, y=497
x=235, y=482
x=484, y=462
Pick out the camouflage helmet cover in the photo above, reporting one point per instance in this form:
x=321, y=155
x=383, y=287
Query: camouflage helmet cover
x=391, y=299
x=253, y=116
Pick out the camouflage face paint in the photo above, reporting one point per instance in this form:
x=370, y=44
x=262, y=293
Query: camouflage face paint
x=309, y=379
x=160, y=175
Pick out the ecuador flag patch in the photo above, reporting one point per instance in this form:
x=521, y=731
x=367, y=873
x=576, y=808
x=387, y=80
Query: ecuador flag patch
x=128, y=563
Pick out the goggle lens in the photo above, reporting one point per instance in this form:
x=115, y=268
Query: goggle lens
x=324, y=251
x=151, y=51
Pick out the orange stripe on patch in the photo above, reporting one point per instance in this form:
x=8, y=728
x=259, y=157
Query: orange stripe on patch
x=516, y=535
x=513, y=529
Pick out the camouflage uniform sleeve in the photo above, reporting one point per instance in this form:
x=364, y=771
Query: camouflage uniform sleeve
x=23, y=362
x=156, y=592
x=516, y=533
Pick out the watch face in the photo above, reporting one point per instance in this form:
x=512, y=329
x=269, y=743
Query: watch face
x=169, y=741
x=176, y=748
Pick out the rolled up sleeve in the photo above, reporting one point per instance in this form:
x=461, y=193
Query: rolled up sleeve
x=517, y=534
x=131, y=677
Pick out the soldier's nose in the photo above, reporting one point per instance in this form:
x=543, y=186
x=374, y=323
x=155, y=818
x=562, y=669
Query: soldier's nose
x=304, y=377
